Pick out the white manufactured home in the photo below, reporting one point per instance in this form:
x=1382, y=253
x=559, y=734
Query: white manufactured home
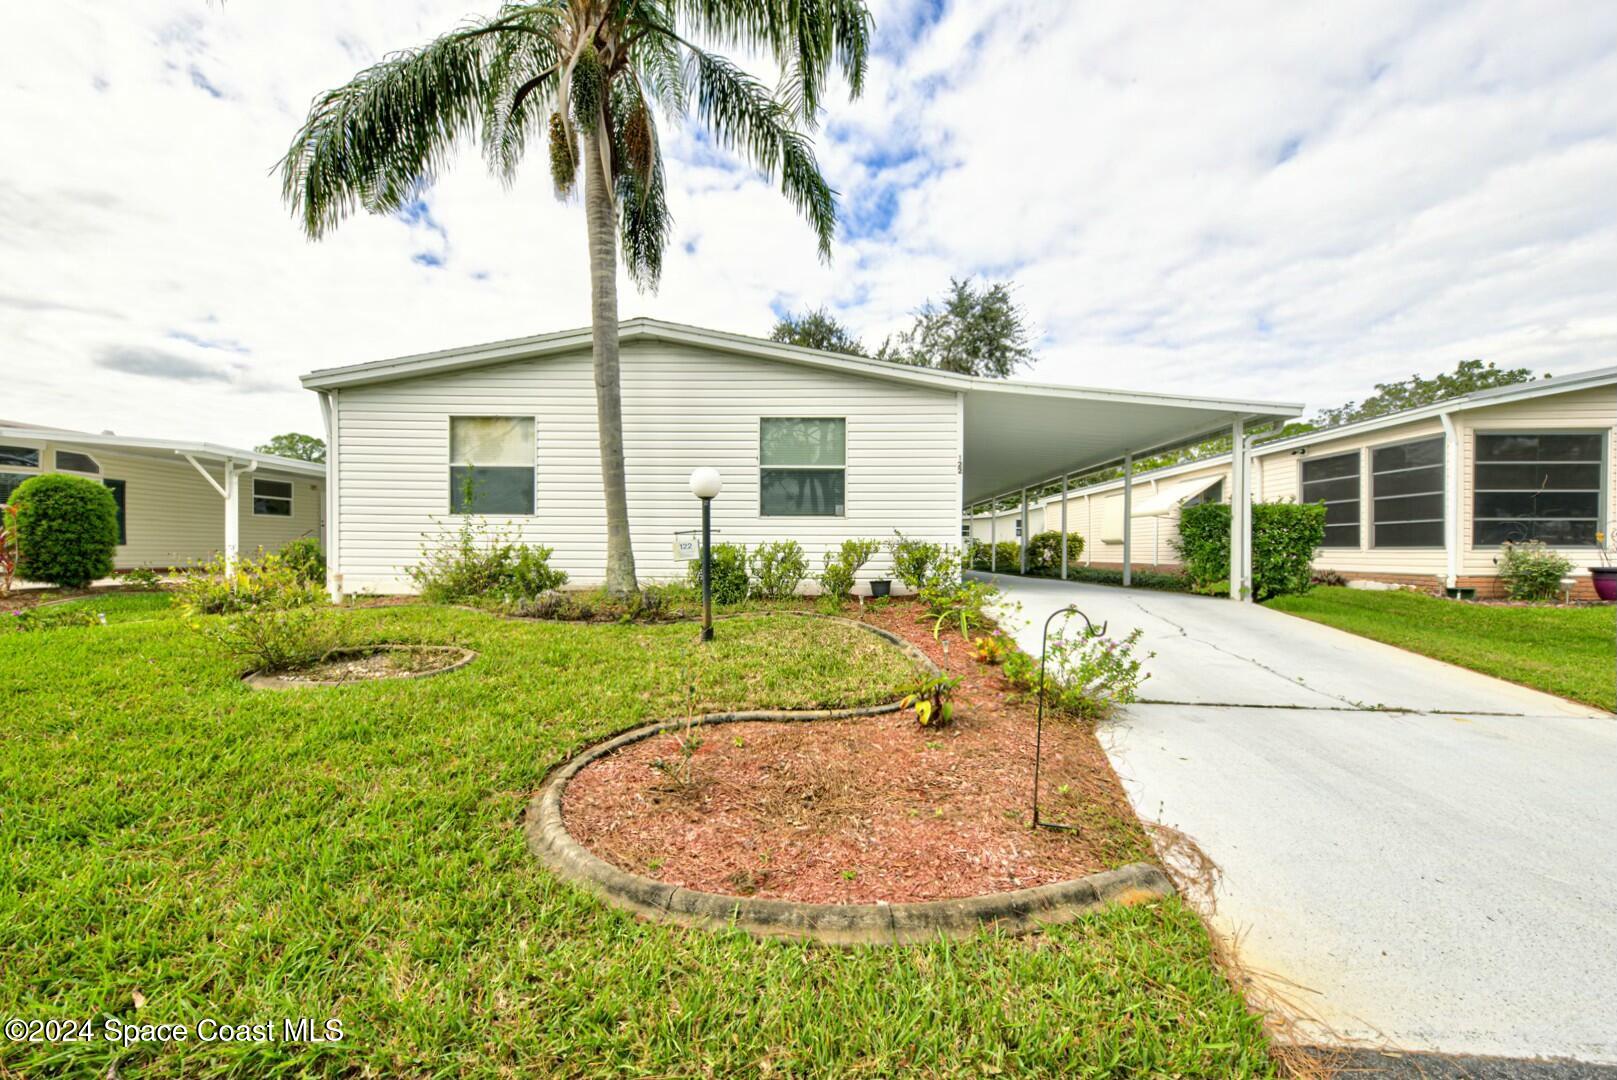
x=1422, y=497
x=812, y=446
x=178, y=502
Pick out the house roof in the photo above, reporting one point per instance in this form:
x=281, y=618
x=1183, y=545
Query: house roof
x=1016, y=432
x=204, y=451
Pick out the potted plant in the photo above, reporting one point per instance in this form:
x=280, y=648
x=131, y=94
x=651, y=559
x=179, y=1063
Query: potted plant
x=1604, y=575
x=880, y=587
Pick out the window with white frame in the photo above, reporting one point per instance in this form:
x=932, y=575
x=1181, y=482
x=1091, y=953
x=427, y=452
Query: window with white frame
x=13, y=458
x=491, y=465
x=1406, y=494
x=1537, y=486
x=1334, y=481
x=802, y=467
x=73, y=461
x=272, y=498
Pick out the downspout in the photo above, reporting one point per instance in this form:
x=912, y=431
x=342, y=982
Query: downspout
x=1451, y=500
x=328, y=414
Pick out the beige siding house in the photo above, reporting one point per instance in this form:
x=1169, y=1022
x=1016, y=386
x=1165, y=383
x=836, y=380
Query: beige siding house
x=1423, y=497
x=172, y=497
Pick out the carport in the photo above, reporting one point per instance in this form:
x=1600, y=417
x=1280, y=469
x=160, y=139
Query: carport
x=1023, y=436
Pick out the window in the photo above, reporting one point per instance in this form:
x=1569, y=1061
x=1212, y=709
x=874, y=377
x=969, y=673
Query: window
x=802, y=469
x=22, y=457
x=491, y=465
x=73, y=461
x=1019, y=527
x=9, y=482
x=1214, y=494
x=1537, y=487
x=117, y=487
x=272, y=498
x=1334, y=481
x=1406, y=508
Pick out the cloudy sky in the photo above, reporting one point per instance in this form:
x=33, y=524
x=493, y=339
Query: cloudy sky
x=1279, y=200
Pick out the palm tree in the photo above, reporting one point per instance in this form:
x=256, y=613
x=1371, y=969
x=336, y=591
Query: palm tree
x=583, y=75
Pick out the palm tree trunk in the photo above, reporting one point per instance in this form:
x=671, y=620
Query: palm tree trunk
x=601, y=218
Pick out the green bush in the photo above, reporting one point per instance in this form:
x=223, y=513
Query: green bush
x=778, y=569
x=920, y=563
x=654, y=603
x=1086, y=673
x=842, y=567
x=50, y=618
x=1044, y=552
x=1532, y=571
x=306, y=559
x=1140, y=579
x=1285, y=537
x=278, y=639
x=730, y=582
x=67, y=530
x=1007, y=556
x=475, y=562
x=260, y=582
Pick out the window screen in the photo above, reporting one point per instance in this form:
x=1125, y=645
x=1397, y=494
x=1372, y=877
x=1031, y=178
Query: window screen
x=23, y=457
x=272, y=498
x=1334, y=481
x=120, y=495
x=491, y=464
x=1407, y=488
x=1214, y=494
x=73, y=461
x=9, y=482
x=1537, y=487
x=802, y=467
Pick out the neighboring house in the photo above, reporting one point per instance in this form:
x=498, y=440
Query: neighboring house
x=178, y=502
x=815, y=447
x=1422, y=497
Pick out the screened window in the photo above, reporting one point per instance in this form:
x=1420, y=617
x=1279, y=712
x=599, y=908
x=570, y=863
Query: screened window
x=1537, y=487
x=1214, y=494
x=9, y=482
x=1407, y=488
x=23, y=457
x=803, y=467
x=119, y=494
x=73, y=461
x=272, y=498
x=1334, y=481
x=491, y=465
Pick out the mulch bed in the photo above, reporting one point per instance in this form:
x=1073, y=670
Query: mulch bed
x=868, y=809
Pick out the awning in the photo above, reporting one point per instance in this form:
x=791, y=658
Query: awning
x=1166, y=500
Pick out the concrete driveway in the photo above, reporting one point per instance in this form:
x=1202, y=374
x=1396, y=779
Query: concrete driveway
x=1413, y=854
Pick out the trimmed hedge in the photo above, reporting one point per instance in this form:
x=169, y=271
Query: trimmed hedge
x=67, y=529
x=1044, y=551
x=1285, y=537
x=1005, y=556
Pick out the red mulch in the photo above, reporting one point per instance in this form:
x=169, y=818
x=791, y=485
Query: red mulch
x=875, y=808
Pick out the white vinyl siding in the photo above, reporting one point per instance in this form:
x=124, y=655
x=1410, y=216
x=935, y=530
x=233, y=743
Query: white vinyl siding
x=683, y=408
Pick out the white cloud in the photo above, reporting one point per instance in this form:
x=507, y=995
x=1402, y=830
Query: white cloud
x=1271, y=199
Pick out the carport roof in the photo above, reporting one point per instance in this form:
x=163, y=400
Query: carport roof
x=1016, y=433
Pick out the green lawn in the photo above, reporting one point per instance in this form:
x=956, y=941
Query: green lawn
x=120, y=606
x=353, y=852
x=1570, y=651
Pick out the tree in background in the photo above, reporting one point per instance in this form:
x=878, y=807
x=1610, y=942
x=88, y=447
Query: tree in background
x=975, y=331
x=817, y=329
x=295, y=446
x=582, y=77
x=1469, y=377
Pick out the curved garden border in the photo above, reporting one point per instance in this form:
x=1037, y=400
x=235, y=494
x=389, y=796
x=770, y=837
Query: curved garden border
x=260, y=680
x=1020, y=911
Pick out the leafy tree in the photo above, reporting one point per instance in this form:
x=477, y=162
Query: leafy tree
x=975, y=331
x=583, y=77
x=293, y=445
x=1469, y=377
x=817, y=329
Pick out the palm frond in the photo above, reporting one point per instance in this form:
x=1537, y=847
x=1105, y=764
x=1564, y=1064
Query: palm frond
x=645, y=224
x=521, y=90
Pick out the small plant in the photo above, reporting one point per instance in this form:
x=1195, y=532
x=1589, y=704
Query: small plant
x=964, y=604
x=67, y=529
x=144, y=579
x=263, y=581
x=920, y=564
x=730, y=582
x=1531, y=570
x=1020, y=670
x=306, y=559
x=680, y=772
x=52, y=618
x=778, y=569
x=278, y=639
x=1090, y=673
x=1600, y=548
x=1329, y=578
x=991, y=648
x=477, y=562
x=842, y=567
x=8, y=548
x=932, y=700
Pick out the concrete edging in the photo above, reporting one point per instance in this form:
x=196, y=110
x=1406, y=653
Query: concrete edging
x=260, y=680
x=1020, y=911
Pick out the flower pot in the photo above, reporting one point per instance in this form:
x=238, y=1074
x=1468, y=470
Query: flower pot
x=880, y=587
x=1605, y=579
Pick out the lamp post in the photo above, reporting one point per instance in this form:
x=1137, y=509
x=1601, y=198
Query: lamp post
x=705, y=484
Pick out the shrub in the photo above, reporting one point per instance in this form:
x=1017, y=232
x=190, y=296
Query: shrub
x=963, y=604
x=778, y=569
x=1327, y=577
x=51, y=618
x=1044, y=552
x=144, y=579
x=306, y=559
x=1086, y=674
x=1285, y=537
x=264, y=581
x=67, y=529
x=729, y=573
x=654, y=603
x=475, y=562
x=919, y=563
x=8, y=548
x=842, y=567
x=1140, y=579
x=276, y=639
x=1532, y=571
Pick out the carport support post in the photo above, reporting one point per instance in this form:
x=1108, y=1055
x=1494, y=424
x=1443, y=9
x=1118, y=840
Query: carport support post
x=1024, y=531
x=232, y=516
x=1128, y=520
x=1063, y=526
x=1240, y=517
